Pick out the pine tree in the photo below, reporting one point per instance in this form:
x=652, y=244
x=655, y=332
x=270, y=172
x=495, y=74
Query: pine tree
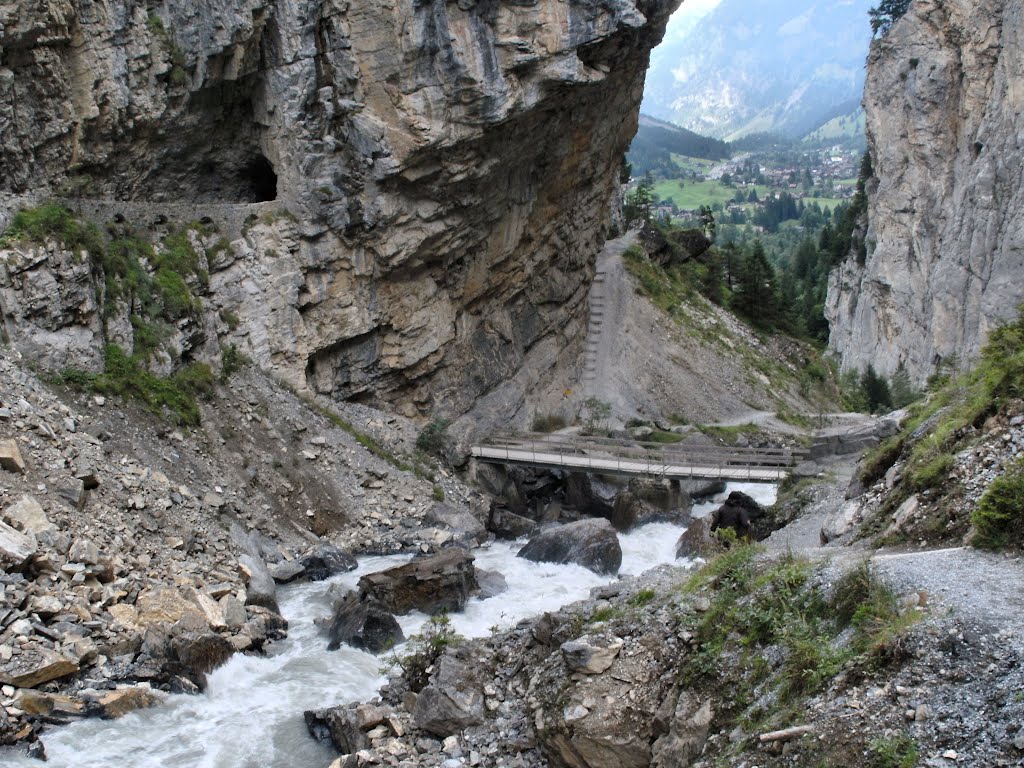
x=886, y=13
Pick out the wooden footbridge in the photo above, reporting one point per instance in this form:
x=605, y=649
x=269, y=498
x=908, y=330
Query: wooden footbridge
x=632, y=458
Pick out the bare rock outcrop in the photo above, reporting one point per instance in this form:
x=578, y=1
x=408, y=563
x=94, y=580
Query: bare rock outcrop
x=945, y=243
x=412, y=196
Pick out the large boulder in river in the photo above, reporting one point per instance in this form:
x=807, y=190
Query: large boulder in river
x=738, y=512
x=337, y=727
x=697, y=540
x=363, y=622
x=440, y=582
x=590, y=543
x=260, y=587
x=325, y=560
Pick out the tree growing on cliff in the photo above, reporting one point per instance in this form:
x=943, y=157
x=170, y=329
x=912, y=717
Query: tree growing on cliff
x=886, y=13
x=639, y=201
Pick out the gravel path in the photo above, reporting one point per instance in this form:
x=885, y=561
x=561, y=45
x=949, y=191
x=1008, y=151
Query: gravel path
x=976, y=587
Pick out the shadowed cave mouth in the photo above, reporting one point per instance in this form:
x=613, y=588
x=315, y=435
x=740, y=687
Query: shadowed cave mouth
x=258, y=175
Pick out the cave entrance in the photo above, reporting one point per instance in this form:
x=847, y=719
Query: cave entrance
x=259, y=177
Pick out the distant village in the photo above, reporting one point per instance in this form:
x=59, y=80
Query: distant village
x=804, y=177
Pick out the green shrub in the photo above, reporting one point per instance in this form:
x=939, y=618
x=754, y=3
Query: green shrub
x=438, y=493
x=896, y=752
x=664, y=438
x=52, y=220
x=126, y=376
x=643, y=597
x=232, y=360
x=930, y=472
x=433, y=438
x=422, y=651
x=548, y=422
x=999, y=519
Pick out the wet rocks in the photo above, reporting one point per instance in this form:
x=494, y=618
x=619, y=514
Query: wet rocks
x=363, y=621
x=337, y=727
x=590, y=543
x=324, y=561
x=697, y=540
x=440, y=582
x=259, y=583
x=31, y=669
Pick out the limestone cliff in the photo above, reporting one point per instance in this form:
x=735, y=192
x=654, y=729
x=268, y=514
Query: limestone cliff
x=945, y=243
x=424, y=185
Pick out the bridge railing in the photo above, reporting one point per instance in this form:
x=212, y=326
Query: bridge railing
x=639, y=458
x=640, y=450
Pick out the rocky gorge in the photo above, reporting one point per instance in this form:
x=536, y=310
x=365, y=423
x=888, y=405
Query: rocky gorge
x=422, y=188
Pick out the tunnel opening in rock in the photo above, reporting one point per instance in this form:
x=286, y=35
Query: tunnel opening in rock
x=259, y=177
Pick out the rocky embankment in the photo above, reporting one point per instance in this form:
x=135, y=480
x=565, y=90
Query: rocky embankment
x=944, y=238
x=137, y=557
x=828, y=651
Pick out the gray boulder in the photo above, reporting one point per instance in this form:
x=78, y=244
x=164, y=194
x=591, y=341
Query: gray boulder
x=506, y=524
x=453, y=700
x=590, y=543
x=461, y=521
x=492, y=583
x=363, y=622
x=439, y=582
x=325, y=560
x=16, y=548
x=337, y=727
x=697, y=540
x=260, y=588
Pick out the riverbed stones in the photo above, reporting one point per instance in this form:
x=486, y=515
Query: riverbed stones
x=452, y=701
x=591, y=543
x=591, y=654
x=35, y=668
x=440, y=582
x=363, y=621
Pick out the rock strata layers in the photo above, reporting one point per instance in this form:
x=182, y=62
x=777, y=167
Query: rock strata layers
x=945, y=243
x=412, y=196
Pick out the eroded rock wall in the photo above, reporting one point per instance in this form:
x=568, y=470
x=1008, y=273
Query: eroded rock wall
x=944, y=97
x=447, y=165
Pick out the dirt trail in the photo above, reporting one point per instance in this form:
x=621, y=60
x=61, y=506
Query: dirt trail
x=979, y=588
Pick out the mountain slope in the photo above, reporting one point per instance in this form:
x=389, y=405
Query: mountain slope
x=769, y=65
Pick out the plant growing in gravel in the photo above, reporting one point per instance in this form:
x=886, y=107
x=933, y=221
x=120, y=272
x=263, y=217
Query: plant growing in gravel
x=998, y=521
x=422, y=651
x=643, y=597
x=896, y=752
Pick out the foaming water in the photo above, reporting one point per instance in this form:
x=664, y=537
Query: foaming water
x=251, y=713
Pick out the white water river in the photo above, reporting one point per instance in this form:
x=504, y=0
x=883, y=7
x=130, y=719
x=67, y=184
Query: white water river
x=251, y=713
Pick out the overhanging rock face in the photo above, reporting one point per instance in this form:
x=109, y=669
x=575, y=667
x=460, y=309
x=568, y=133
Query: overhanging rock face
x=946, y=234
x=428, y=180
